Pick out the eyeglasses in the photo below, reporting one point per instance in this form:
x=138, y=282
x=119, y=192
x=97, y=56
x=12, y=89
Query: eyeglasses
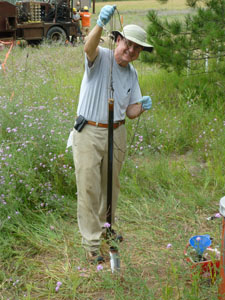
x=129, y=44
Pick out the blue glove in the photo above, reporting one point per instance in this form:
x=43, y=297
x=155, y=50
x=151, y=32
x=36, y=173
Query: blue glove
x=105, y=14
x=146, y=102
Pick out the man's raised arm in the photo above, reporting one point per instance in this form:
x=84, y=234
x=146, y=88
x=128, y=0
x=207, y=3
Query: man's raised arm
x=91, y=45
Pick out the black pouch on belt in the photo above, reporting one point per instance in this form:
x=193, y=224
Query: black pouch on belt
x=80, y=123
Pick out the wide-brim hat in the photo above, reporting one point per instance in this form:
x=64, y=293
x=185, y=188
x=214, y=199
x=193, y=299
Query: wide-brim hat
x=136, y=34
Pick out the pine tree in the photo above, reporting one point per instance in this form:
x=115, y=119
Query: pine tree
x=189, y=44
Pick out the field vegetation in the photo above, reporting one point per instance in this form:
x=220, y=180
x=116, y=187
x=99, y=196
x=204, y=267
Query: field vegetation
x=136, y=11
x=144, y=5
x=171, y=182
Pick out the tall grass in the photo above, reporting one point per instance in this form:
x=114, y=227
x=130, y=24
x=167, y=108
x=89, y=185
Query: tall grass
x=171, y=182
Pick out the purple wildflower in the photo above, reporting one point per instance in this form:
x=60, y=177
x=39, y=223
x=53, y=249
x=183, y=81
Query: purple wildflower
x=99, y=267
x=218, y=215
x=58, y=284
x=57, y=288
x=107, y=225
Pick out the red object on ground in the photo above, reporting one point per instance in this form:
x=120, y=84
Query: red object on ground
x=207, y=269
x=222, y=264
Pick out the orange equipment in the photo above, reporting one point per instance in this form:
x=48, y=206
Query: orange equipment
x=7, y=54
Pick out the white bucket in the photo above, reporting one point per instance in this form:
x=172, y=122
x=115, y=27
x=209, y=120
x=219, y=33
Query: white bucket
x=222, y=206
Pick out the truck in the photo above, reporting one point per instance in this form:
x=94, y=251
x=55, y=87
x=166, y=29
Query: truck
x=35, y=21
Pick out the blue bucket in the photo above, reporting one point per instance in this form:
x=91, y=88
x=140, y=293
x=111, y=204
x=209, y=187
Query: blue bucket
x=200, y=243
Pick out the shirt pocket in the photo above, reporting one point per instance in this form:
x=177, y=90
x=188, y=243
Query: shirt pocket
x=123, y=98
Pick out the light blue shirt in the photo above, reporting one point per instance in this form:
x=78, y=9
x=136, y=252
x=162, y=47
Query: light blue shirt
x=95, y=88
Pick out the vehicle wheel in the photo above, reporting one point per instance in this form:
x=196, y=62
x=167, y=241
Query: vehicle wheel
x=56, y=34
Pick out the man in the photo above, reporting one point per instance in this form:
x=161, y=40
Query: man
x=90, y=141
x=85, y=21
x=76, y=15
x=76, y=19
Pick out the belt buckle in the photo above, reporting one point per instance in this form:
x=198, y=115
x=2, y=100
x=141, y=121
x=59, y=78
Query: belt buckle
x=96, y=124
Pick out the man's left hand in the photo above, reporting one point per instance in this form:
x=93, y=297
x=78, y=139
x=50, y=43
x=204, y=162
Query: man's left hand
x=146, y=102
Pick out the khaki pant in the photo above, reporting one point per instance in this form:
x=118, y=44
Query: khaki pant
x=90, y=156
x=85, y=30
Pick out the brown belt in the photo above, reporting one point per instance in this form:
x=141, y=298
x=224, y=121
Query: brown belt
x=115, y=125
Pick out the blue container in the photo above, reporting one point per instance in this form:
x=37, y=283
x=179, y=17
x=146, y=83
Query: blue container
x=200, y=243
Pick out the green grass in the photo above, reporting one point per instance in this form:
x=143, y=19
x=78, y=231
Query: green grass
x=172, y=180
x=130, y=9
x=143, y=5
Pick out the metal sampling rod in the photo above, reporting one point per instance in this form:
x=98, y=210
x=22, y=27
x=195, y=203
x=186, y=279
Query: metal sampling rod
x=114, y=253
x=110, y=162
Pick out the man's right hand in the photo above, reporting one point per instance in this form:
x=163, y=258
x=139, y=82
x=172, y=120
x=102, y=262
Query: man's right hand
x=105, y=14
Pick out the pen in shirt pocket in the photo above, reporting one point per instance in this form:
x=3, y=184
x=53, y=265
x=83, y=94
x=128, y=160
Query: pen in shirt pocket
x=128, y=91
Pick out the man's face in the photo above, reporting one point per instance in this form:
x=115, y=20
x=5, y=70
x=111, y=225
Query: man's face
x=126, y=51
